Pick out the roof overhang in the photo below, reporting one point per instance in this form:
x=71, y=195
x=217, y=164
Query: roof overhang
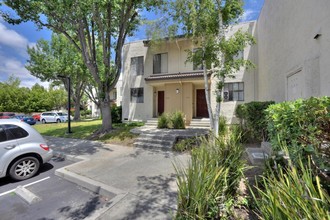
x=176, y=76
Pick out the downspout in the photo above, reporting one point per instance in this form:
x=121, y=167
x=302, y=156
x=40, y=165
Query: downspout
x=179, y=63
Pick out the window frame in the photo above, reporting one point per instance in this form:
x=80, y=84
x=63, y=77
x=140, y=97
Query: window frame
x=230, y=87
x=135, y=61
x=135, y=92
x=161, y=64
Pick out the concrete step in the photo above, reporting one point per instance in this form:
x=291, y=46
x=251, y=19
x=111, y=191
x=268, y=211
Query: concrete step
x=153, y=146
x=155, y=141
x=257, y=156
x=200, y=123
x=164, y=137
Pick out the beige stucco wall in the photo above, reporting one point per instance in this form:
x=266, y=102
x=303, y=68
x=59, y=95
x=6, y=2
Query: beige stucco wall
x=177, y=56
x=135, y=111
x=292, y=63
x=249, y=77
x=185, y=99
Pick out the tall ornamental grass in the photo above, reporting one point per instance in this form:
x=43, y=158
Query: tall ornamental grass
x=291, y=193
x=210, y=182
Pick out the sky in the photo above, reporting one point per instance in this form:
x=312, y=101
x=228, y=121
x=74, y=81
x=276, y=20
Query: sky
x=14, y=40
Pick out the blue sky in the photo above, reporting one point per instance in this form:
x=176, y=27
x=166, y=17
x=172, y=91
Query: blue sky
x=15, y=39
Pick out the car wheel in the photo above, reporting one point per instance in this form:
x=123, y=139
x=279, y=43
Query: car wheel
x=58, y=120
x=43, y=121
x=24, y=168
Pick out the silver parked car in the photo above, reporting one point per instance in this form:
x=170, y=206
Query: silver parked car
x=22, y=150
x=47, y=117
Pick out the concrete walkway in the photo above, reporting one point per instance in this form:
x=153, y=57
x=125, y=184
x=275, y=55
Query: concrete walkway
x=140, y=183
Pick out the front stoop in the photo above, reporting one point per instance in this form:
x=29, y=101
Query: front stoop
x=164, y=139
x=155, y=141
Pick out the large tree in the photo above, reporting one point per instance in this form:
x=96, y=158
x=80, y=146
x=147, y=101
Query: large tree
x=88, y=25
x=205, y=22
x=60, y=57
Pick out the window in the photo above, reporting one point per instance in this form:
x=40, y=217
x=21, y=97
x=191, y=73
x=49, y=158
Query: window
x=114, y=95
x=234, y=91
x=137, y=95
x=160, y=63
x=198, y=53
x=137, y=66
x=3, y=136
x=15, y=132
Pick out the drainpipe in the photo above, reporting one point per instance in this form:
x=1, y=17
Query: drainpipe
x=179, y=64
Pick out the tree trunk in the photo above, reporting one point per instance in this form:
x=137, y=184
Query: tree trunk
x=218, y=90
x=207, y=88
x=76, y=116
x=106, y=114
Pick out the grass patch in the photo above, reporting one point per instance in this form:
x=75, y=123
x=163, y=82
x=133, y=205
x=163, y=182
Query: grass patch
x=84, y=129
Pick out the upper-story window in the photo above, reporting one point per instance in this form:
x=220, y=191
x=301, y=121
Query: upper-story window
x=160, y=63
x=234, y=91
x=137, y=95
x=137, y=65
x=197, y=65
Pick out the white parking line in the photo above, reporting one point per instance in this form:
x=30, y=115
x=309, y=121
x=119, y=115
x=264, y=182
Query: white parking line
x=29, y=184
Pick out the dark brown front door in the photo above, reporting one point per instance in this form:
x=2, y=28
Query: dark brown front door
x=160, y=102
x=201, y=104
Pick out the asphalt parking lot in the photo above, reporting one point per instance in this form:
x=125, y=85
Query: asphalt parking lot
x=57, y=198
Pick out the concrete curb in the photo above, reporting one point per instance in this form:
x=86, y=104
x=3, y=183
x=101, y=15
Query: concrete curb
x=26, y=195
x=92, y=185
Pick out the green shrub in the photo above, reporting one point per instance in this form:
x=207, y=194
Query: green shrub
x=162, y=121
x=207, y=188
x=85, y=113
x=303, y=126
x=116, y=113
x=292, y=193
x=222, y=125
x=186, y=144
x=174, y=121
x=253, y=120
x=177, y=120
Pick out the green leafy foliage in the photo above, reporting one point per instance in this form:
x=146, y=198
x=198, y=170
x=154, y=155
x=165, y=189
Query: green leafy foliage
x=116, y=112
x=304, y=126
x=97, y=29
x=177, y=120
x=208, y=186
x=162, y=121
x=14, y=98
x=173, y=120
x=253, y=120
x=291, y=193
x=186, y=144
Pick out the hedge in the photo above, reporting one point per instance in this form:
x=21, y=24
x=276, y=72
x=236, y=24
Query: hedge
x=253, y=119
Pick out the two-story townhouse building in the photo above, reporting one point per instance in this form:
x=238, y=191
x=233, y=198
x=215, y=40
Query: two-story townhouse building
x=158, y=79
x=292, y=58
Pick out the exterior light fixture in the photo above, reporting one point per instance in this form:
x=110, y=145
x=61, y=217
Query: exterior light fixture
x=177, y=91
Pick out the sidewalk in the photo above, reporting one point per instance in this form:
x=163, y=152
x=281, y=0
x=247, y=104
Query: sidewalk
x=140, y=183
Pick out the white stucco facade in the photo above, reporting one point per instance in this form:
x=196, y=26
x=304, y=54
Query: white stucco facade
x=180, y=83
x=292, y=58
x=293, y=49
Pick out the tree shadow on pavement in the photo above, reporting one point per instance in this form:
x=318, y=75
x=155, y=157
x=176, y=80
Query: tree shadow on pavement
x=156, y=196
x=75, y=146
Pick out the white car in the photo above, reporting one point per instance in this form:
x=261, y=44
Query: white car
x=47, y=117
x=22, y=150
x=65, y=115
